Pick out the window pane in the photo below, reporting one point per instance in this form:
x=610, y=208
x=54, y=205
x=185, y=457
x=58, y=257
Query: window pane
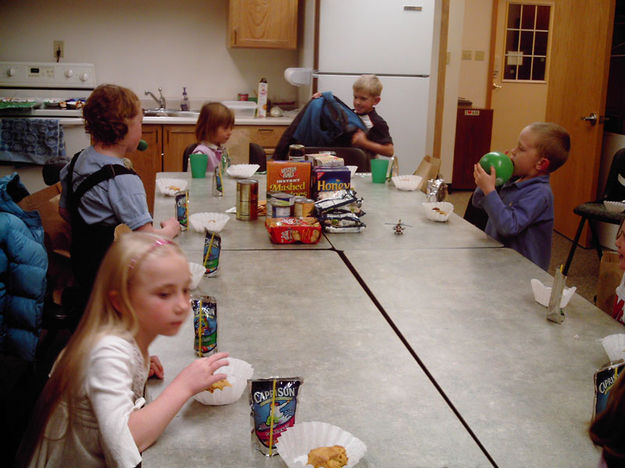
x=529, y=12
x=514, y=15
x=512, y=40
x=538, y=70
x=525, y=69
x=527, y=42
x=542, y=19
x=540, y=44
x=509, y=73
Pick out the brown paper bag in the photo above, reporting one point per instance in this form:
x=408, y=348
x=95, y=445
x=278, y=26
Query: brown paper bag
x=610, y=276
x=428, y=169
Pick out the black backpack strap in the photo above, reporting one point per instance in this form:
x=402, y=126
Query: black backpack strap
x=105, y=173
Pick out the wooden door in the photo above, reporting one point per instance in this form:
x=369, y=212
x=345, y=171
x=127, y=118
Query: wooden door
x=147, y=163
x=515, y=102
x=473, y=132
x=578, y=81
x=270, y=24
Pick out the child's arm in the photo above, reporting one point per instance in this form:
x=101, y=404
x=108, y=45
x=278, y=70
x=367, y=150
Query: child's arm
x=360, y=140
x=484, y=181
x=169, y=228
x=148, y=423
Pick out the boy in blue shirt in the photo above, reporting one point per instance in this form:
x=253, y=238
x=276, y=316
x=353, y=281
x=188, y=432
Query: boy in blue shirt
x=520, y=215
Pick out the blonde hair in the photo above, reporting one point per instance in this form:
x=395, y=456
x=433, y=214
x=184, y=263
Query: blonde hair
x=116, y=273
x=212, y=116
x=370, y=84
x=553, y=142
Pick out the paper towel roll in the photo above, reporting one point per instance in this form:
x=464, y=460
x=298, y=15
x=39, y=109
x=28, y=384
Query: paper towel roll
x=298, y=76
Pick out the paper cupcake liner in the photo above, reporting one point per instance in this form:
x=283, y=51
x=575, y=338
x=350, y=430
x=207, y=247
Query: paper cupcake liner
x=242, y=170
x=213, y=222
x=542, y=293
x=438, y=211
x=406, y=182
x=614, y=346
x=238, y=372
x=169, y=187
x=295, y=443
x=197, y=272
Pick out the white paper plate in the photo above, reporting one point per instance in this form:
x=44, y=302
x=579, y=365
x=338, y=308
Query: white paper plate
x=213, y=222
x=242, y=171
x=197, y=272
x=169, y=187
x=542, y=293
x=238, y=372
x=407, y=182
x=438, y=211
x=295, y=443
x=614, y=206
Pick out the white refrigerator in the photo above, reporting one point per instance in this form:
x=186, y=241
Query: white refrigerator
x=392, y=39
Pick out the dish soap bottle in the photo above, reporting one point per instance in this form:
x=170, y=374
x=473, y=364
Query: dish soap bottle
x=262, y=98
x=184, y=104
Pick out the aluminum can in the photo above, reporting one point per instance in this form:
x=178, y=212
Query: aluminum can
x=247, y=199
x=303, y=207
x=212, y=249
x=282, y=205
x=204, y=324
x=182, y=209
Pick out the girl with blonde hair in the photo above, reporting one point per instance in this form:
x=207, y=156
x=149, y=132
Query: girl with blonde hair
x=92, y=412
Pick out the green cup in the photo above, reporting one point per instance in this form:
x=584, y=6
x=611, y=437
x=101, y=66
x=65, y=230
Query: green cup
x=199, y=163
x=378, y=170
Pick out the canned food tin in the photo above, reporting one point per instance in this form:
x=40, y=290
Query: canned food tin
x=247, y=199
x=182, y=209
x=303, y=207
x=281, y=205
x=205, y=325
x=212, y=249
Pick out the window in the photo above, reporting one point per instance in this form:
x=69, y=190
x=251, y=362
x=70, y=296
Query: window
x=527, y=39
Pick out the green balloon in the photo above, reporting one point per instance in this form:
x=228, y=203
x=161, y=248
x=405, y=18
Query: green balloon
x=502, y=164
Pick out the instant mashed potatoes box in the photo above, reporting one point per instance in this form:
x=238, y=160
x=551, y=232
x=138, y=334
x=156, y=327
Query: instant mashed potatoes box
x=289, y=177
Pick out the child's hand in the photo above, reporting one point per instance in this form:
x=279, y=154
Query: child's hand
x=316, y=95
x=172, y=226
x=156, y=368
x=358, y=138
x=485, y=181
x=199, y=375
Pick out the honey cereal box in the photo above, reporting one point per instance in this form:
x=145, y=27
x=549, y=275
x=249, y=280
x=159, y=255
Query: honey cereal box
x=330, y=179
x=289, y=177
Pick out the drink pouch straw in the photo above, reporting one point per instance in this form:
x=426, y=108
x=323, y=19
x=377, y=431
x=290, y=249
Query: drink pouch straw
x=554, y=313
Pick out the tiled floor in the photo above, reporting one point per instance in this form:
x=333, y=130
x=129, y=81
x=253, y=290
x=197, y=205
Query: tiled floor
x=584, y=270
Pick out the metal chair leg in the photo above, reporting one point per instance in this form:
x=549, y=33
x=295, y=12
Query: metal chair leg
x=578, y=234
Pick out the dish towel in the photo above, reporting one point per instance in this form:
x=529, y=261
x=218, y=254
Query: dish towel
x=32, y=141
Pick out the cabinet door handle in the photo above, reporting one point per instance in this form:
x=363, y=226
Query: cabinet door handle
x=265, y=130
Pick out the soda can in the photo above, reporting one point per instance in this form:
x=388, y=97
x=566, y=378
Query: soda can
x=182, y=209
x=205, y=325
x=303, y=207
x=212, y=248
x=247, y=199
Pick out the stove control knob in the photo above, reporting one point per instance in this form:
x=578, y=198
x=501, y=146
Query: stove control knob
x=84, y=76
x=69, y=73
x=11, y=72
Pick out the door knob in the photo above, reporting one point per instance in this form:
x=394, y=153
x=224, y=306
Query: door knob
x=592, y=118
x=497, y=86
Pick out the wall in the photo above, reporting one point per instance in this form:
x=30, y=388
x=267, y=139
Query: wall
x=475, y=42
x=144, y=45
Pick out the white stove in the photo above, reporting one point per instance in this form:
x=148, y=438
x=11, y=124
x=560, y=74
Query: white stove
x=38, y=89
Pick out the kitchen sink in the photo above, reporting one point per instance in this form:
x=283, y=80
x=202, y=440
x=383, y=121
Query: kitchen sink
x=169, y=113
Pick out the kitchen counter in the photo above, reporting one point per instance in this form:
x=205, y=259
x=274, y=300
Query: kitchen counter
x=286, y=120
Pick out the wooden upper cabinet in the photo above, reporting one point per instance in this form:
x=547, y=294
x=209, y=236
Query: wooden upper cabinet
x=265, y=24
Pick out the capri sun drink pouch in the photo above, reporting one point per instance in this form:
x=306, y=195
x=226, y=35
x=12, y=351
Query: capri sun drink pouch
x=273, y=403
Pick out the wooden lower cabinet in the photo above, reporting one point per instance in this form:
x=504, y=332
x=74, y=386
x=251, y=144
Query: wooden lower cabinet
x=166, y=145
x=147, y=163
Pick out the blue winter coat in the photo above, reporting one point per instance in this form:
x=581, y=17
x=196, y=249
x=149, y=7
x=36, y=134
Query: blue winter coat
x=23, y=268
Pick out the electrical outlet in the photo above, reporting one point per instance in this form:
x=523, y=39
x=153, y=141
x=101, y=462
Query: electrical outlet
x=58, y=46
x=479, y=55
x=467, y=54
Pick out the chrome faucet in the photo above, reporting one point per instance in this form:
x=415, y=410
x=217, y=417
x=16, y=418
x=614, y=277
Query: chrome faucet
x=161, y=102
